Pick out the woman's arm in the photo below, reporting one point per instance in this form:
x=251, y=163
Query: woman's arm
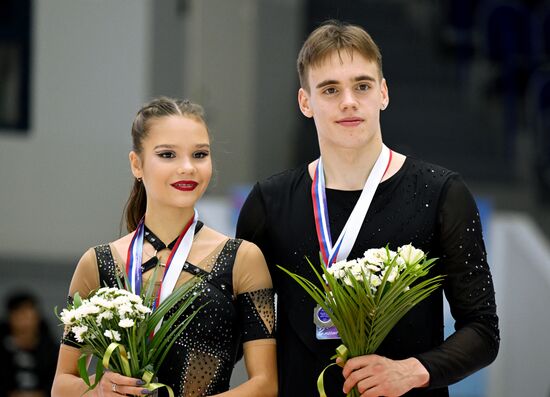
x=261, y=366
x=253, y=289
x=67, y=381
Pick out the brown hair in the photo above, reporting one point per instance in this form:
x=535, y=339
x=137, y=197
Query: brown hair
x=157, y=108
x=333, y=36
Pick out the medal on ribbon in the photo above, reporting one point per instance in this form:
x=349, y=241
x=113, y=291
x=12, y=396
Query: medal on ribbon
x=340, y=250
x=174, y=264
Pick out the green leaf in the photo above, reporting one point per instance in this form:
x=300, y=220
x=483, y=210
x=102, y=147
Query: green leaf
x=83, y=368
x=363, y=317
x=77, y=300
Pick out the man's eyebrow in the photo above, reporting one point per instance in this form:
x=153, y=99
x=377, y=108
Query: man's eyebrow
x=364, y=77
x=326, y=82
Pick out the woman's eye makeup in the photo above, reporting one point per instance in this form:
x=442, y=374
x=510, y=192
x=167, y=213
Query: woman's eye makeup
x=166, y=154
x=170, y=154
x=201, y=154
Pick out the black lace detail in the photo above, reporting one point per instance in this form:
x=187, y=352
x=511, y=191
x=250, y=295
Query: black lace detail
x=202, y=358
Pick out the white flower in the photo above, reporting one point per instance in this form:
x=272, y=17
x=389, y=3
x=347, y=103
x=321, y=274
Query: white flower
x=104, y=316
x=338, y=269
x=126, y=323
x=374, y=281
x=79, y=332
x=142, y=309
x=394, y=273
x=86, y=310
x=410, y=254
x=379, y=256
x=401, y=264
x=134, y=298
x=112, y=334
x=371, y=267
x=105, y=291
x=100, y=301
x=124, y=309
x=121, y=300
x=357, y=270
x=67, y=316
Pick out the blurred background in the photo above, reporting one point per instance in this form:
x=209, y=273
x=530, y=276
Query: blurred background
x=469, y=84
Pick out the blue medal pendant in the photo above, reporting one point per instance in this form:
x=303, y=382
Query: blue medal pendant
x=324, y=328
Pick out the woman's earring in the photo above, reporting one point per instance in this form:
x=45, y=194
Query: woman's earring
x=139, y=180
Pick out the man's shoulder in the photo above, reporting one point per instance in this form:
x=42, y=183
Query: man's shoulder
x=428, y=170
x=288, y=178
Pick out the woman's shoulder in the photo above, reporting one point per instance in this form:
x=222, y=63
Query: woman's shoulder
x=119, y=246
x=213, y=238
x=115, y=249
x=210, y=237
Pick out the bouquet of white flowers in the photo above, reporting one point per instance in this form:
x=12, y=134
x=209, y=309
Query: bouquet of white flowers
x=121, y=329
x=365, y=297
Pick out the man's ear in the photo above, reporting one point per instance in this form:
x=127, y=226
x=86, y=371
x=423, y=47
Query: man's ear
x=303, y=102
x=135, y=164
x=385, y=94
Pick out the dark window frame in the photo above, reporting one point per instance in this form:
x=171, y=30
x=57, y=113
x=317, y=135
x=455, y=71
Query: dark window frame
x=15, y=69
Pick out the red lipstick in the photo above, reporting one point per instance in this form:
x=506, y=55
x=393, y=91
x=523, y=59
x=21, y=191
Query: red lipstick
x=184, y=186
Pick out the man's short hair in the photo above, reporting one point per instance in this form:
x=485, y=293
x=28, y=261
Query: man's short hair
x=337, y=36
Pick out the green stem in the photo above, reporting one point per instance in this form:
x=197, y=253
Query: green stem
x=354, y=393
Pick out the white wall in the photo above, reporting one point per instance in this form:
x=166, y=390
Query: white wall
x=219, y=72
x=94, y=62
x=521, y=272
x=63, y=186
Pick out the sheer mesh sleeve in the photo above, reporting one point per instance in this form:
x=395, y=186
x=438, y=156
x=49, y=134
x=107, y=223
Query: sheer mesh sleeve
x=469, y=289
x=254, y=291
x=85, y=280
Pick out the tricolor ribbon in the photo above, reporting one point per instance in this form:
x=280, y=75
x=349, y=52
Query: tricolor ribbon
x=341, y=249
x=176, y=260
x=174, y=264
x=134, y=258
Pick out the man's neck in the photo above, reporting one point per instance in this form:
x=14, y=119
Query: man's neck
x=348, y=169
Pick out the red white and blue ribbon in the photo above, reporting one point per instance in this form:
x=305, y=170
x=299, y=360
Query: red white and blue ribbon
x=341, y=249
x=134, y=258
x=174, y=264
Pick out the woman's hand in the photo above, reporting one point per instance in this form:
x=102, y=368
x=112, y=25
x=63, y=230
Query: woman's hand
x=114, y=385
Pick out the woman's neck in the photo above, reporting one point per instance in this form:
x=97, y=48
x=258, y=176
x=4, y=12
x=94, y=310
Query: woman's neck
x=348, y=169
x=167, y=224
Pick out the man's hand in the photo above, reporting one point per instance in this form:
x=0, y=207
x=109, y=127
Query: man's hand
x=379, y=376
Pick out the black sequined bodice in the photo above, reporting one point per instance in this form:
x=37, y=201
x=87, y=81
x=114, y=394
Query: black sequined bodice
x=202, y=358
